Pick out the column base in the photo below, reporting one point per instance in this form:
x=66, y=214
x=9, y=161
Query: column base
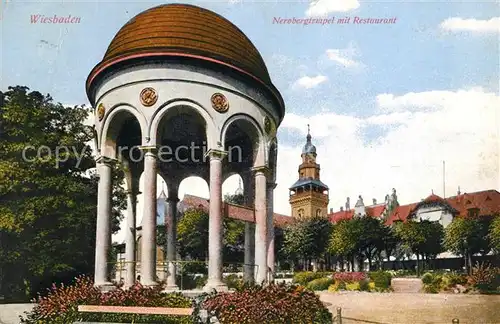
x=170, y=288
x=105, y=286
x=218, y=285
x=149, y=284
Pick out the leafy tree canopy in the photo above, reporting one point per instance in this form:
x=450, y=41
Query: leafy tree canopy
x=494, y=234
x=48, y=191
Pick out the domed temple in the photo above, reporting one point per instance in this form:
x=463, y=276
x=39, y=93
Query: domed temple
x=182, y=92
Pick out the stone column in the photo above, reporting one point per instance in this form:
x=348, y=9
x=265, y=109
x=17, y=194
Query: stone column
x=215, y=223
x=103, y=228
x=130, y=246
x=249, y=268
x=148, y=245
x=270, y=229
x=171, y=225
x=260, y=225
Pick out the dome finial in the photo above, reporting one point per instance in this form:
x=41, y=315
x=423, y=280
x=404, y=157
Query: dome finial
x=239, y=191
x=308, y=147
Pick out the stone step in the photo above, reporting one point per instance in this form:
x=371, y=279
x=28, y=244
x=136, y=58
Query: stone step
x=406, y=285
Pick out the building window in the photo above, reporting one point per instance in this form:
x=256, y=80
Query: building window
x=301, y=212
x=318, y=212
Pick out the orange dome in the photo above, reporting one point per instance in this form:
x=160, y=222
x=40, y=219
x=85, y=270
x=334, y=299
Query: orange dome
x=187, y=31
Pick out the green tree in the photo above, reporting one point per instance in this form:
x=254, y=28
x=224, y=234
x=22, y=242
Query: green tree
x=370, y=243
x=494, y=234
x=466, y=237
x=344, y=240
x=307, y=239
x=433, y=233
x=48, y=193
x=390, y=243
x=412, y=238
x=192, y=234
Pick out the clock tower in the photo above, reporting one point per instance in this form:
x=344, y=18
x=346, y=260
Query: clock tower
x=308, y=195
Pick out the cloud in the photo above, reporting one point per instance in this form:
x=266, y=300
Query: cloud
x=321, y=8
x=458, y=24
x=309, y=82
x=345, y=56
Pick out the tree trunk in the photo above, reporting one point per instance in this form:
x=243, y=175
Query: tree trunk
x=369, y=263
x=418, y=265
x=466, y=262
x=470, y=262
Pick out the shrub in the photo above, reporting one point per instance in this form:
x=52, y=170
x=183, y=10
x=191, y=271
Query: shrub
x=433, y=282
x=450, y=280
x=60, y=306
x=303, y=278
x=382, y=279
x=427, y=278
x=233, y=281
x=456, y=279
x=364, y=285
x=349, y=276
x=186, y=281
x=484, y=278
x=402, y=273
x=371, y=286
x=352, y=286
x=273, y=304
x=338, y=285
x=320, y=284
x=201, y=281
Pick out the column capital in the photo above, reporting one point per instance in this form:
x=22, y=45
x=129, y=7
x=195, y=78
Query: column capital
x=261, y=169
x=216, y=154
x=272, y=185
x=105, y=160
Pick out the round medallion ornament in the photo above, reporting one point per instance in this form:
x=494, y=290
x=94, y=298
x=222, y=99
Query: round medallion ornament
x=100, y=111
x=219, y=102
x=148, y=97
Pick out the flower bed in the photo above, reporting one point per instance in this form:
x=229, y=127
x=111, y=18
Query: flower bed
x=483, y=279
x=60, y=306
x=379, y=281
x=271, y=304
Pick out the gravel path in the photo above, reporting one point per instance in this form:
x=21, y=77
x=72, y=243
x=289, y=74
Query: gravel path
x=409, y=308
x=9, y=313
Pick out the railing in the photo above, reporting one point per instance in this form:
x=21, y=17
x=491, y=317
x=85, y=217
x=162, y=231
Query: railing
x=189, y=274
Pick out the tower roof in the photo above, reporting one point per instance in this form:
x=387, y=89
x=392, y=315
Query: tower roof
x=303, y=182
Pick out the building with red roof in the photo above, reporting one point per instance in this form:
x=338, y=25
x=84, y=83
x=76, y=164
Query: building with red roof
x=433, y=208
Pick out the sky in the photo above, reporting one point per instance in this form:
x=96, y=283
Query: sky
x=387, y=104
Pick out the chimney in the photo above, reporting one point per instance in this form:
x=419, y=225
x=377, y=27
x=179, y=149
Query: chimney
x=331, y=210
x=341, y=208
x=374, y=201
x=458, y=193
x=347, y=206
